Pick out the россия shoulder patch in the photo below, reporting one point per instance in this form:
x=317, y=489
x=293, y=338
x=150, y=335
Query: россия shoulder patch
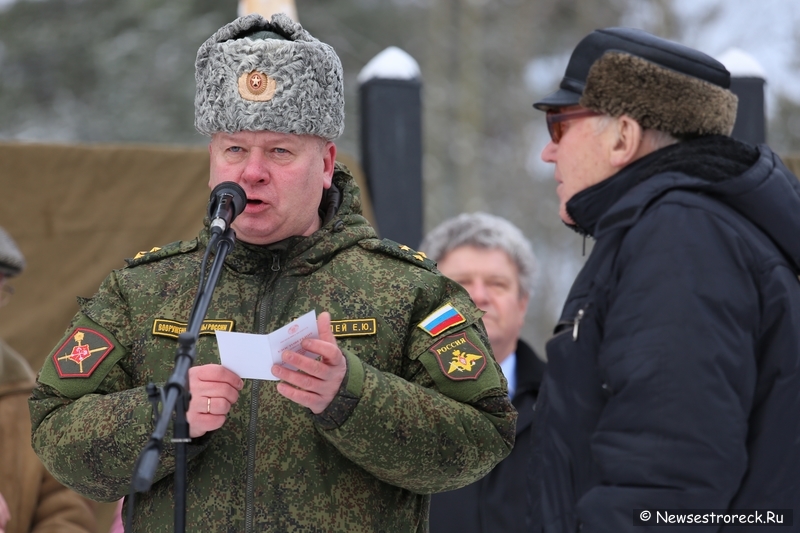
x=458, y=358
x=81, y=353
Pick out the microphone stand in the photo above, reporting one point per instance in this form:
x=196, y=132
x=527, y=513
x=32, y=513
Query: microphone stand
x=175, y=396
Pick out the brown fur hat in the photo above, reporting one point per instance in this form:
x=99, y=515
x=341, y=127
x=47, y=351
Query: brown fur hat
x=661, y=84
x=658, y=98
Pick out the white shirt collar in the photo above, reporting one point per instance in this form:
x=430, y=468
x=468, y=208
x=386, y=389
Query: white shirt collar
x=509, y=367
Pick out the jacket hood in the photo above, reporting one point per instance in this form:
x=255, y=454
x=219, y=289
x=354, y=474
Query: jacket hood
x=343, y=226
x=753, y=181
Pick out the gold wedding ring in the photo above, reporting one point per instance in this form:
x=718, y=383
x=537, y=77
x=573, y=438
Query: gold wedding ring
x=208, y=406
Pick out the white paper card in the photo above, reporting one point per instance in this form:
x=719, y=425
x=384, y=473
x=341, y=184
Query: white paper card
x=251, y=356
x=245, y=354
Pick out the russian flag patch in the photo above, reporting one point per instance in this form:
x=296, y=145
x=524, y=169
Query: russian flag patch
x=441, y=320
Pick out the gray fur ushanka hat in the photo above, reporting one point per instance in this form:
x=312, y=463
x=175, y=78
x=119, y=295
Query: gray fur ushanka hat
x=661, y=84
x=255, y=75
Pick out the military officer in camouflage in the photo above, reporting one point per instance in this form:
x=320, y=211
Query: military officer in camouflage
x=405, y=398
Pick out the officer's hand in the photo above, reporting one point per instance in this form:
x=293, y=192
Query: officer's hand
x=214, y=390
x=5, y=515
x=319, y=379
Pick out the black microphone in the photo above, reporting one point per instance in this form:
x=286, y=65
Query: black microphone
x=227, y=202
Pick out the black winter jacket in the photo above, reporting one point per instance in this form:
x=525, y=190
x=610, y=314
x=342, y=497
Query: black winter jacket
x=673, y=378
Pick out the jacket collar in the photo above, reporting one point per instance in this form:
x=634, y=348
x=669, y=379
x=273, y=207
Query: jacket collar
x=588, y=206
x=752, y=181
x=706, y=163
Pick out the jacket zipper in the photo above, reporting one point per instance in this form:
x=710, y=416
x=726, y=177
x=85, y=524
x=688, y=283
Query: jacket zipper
x=563, y=325
x=576, y=324
x=252, y=430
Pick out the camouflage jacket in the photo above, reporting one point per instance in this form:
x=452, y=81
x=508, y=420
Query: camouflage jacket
x=423, y=407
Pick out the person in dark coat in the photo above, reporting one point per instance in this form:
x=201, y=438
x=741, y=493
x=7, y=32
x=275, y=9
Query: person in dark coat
x=493, y=260
x=673, y=377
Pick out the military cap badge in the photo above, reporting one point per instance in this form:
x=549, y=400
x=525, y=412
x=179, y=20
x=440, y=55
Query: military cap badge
x=257, y=86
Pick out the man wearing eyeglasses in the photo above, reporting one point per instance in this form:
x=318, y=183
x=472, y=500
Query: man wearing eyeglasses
x=674, y=373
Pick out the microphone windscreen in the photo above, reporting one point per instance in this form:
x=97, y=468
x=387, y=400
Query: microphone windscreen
x=238, y=197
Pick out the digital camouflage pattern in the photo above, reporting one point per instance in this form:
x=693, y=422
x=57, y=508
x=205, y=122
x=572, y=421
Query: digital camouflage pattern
x=399, y=429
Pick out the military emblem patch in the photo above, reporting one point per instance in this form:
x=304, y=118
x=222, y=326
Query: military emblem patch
x=458, y=358
x=441, y=320
x=81, y=353
x=257, y=86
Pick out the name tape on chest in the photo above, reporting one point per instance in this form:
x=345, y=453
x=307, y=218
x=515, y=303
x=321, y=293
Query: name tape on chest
x=354, y=327
x=163, y=327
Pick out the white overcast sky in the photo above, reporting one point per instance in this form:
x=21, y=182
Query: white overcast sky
x=765, y=29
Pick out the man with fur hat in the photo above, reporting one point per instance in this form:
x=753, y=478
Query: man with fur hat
x=674, y=371
x=404, y=398
x=31, y=500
